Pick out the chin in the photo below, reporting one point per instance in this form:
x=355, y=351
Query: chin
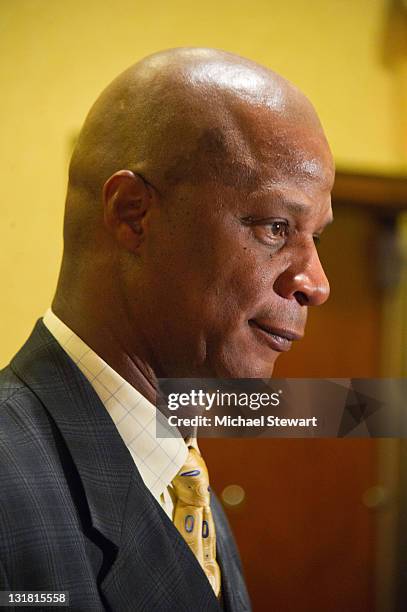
x=246, y=367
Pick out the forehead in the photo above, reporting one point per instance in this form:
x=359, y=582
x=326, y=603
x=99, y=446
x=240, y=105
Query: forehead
x=301, y=168
x=292, y=166
x=289, y=145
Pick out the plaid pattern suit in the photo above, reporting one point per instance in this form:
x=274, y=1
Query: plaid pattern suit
x=75, y=514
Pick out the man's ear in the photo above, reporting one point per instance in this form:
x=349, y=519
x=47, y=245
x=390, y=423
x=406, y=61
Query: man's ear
x=126, y=199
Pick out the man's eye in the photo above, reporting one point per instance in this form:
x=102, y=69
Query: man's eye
x=278, y=229
x=271, y=232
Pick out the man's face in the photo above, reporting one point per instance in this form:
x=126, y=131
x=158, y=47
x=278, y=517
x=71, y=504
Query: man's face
x=228, y=274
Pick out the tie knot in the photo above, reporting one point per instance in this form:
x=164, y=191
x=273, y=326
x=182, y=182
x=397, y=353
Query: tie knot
x=191, y=484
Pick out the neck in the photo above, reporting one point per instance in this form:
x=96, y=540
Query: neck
x=120, y=346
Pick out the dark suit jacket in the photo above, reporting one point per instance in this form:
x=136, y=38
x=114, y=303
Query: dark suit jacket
x=75, y=514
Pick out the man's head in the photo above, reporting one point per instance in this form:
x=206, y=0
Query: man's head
x=198, y=187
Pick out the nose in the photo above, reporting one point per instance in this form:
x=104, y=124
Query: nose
x=304, y=279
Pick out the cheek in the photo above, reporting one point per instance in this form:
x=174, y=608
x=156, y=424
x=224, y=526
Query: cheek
x=240, y=288
x=210, y=272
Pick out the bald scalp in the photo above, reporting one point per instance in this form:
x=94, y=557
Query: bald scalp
x=177, y=116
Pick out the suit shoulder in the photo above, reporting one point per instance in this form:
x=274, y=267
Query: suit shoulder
x=10, y=385
x=23, y=420
x=30, y=470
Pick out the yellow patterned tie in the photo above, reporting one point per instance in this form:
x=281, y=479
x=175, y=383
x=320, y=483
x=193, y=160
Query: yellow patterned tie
x=193, y=516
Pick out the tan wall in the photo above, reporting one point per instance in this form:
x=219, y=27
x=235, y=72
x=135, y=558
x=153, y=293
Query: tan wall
x=56, y=56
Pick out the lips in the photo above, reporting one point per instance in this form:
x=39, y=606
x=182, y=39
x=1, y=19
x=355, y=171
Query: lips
x=279, y=339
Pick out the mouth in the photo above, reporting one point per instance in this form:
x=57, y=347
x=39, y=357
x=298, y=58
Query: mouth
x=278, y=339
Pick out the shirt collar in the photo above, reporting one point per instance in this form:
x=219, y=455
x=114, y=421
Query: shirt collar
x=157, y=459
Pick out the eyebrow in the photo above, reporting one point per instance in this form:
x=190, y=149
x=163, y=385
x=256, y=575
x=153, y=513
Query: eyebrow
x=296, y=207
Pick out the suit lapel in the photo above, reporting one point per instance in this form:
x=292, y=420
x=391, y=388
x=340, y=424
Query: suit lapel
x=157, y=559
x=85, y=426
x=235, y=596
x=151, y=559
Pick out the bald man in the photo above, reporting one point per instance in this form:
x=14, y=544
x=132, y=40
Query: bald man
x=198, y=188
